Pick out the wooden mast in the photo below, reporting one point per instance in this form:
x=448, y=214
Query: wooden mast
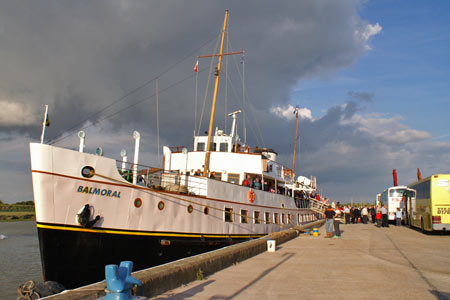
x=213, y=108
x=295, y=143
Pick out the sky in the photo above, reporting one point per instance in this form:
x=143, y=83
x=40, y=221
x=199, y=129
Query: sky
x=370, y=79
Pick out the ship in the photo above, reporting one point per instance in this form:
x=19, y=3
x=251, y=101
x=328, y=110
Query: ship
x=93, y=210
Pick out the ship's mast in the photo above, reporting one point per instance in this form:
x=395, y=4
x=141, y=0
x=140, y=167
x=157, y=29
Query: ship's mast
x=295, y=143
x=213, y=108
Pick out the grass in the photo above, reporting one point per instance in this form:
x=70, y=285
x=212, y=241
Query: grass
x=8, y=216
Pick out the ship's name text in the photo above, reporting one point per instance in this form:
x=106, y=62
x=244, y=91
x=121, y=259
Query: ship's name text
x=97, y=191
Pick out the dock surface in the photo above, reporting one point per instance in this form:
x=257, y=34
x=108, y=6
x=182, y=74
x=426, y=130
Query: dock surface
x=366, y=263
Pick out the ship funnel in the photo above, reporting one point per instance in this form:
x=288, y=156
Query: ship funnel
x=394, y=176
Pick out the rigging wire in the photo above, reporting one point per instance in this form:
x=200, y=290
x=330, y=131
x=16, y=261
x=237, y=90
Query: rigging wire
x=207, y=87
x=137, y=103
x=61, y=136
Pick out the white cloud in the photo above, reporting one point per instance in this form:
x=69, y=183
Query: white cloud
x=288, y=112
x=16, y=114
x=366, y=32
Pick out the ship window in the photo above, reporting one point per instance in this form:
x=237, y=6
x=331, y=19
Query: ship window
x=206, y=210
x=233, y=178
x=244, y=216
x=257, y=217
x=283, y=219
x=223, y=147
x=200, y=146
x=213, y=146
x=275, y=218
x=87, y=172
x=289, y=219
x=228, y=214
x=218, y=175
x=267, y=217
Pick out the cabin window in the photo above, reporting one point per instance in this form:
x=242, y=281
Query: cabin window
x=283, y=219
x=257, y=217
x=213, y=147
x=244, y=216
x=275, y=218
x=267, y=217
x=223, y=147
x=289, y=219
x=298, y=219
x=228, y=214
x=218, y=175
x=233, y=178
x=200, y=146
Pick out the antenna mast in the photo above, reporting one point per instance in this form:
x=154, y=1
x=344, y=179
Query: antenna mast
x=295, y=143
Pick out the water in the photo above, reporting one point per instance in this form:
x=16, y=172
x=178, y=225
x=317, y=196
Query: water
x=19, y=257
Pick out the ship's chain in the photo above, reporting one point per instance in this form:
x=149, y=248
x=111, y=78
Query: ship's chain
x=27, y=291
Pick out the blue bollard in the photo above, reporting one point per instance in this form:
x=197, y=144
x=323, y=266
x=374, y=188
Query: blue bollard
x=119, y=282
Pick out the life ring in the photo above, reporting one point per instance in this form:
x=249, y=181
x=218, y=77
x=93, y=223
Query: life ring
x=251, y=196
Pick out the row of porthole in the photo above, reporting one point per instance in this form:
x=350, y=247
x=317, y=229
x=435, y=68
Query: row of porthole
x=161, y=205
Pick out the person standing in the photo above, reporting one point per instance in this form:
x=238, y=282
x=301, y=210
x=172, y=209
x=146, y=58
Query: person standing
x=365, y=214
x=378, y=217
x=329, y=217
x=373, y=213
x=336, y=222
x=384, y=216
x=347, y=214
x=398, y=217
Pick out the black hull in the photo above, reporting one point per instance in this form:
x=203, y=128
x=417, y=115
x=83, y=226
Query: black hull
x=75, y=258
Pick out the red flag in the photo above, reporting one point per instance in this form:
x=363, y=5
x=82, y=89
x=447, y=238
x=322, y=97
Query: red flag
x=196, y=67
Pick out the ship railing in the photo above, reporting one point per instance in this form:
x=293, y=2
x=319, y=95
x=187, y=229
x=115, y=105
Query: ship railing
x=160, y=179
x=317, y=205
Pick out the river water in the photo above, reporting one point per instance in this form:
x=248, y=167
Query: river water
x=20, y=260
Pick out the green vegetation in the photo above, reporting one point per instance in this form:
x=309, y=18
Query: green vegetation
x=17, y=212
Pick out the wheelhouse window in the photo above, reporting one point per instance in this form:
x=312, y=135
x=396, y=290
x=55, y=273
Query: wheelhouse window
x=244, y=216
x=257, y=217
x=233, y=178
x=200, y=146
x=223, y=147
x=267, y=217
x=228, y=214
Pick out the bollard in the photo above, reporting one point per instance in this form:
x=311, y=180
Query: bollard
x=316, y=231
x=119, y=282
x=271, y=245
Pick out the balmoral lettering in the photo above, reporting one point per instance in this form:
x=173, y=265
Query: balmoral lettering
x=98, y=191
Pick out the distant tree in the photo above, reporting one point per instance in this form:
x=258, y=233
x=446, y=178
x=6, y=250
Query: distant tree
x=1, y=202
x=26, y=203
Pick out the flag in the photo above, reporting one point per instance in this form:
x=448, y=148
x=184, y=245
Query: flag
x=196, y=67
x=47, y=121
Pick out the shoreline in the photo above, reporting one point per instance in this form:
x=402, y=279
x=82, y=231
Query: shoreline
x=17, y=216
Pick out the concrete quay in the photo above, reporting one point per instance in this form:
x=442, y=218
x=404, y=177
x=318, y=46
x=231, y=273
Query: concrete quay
x=366, y=263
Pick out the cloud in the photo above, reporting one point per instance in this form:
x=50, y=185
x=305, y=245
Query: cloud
x=16, y=114
x=366, y=32
x=362, y=96
x=288, y=112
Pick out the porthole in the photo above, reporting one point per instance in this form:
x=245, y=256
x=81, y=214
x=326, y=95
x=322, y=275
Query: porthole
x=87, y=172
x=190, y=209
x=161, y=205
x=206, y=210
x=138, y=202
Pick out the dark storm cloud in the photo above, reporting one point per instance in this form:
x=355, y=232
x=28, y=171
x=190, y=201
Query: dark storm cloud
x=80, y=56
x=361, y=96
